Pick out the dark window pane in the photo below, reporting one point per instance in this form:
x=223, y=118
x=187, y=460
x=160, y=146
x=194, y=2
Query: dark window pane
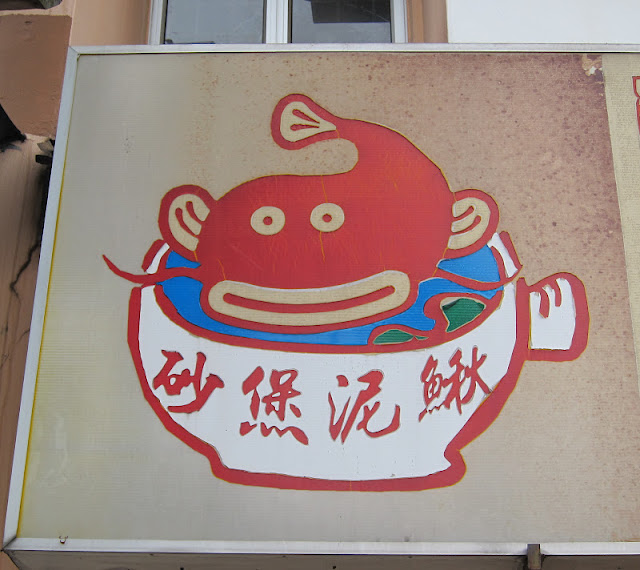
x=338, y=21
x=214, y=21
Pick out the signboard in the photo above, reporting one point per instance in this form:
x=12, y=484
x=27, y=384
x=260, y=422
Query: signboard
x=336, y=298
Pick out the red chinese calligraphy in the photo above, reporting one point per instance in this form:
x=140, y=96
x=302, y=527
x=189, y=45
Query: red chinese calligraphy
x=434, y=382
x=345, y=422
x=174, y=383
x=276, y=402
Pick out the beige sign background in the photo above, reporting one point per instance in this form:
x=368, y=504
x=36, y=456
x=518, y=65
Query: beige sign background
x=561, y=461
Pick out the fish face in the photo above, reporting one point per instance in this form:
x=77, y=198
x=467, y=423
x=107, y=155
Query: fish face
x=323, y=251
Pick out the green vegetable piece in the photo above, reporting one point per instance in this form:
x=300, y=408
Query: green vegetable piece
x=460, y=312
x=393, y=336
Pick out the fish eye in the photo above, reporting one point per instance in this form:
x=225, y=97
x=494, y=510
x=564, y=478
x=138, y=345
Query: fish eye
x=267, y=220
x=327, y=217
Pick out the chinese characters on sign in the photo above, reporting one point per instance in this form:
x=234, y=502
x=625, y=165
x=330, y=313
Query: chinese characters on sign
x=460, y=388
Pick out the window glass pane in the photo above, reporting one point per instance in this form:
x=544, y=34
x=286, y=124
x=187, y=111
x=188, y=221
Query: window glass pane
x=337, y=21
x=214, y=21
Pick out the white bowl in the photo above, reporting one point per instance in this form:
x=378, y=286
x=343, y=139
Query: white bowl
x=422, y=405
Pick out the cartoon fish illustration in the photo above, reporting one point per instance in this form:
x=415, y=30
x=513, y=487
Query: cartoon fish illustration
x=389, y=300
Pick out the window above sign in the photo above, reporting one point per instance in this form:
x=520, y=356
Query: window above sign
x=278, y=21
x=338, y=21
x=217, y=22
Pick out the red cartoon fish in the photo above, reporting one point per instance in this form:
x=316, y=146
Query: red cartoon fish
x=296, y=254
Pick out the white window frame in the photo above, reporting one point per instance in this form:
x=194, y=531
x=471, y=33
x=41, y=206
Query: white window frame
x=276, y=22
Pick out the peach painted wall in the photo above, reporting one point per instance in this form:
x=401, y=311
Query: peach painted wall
x=427, y=21
x=33, y=47
x=110, y=22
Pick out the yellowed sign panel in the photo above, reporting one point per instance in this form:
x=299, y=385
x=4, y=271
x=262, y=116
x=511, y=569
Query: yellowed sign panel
x=343, y=297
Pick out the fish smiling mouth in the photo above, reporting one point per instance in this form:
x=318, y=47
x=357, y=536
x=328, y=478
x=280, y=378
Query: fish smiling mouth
x=352, y=301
